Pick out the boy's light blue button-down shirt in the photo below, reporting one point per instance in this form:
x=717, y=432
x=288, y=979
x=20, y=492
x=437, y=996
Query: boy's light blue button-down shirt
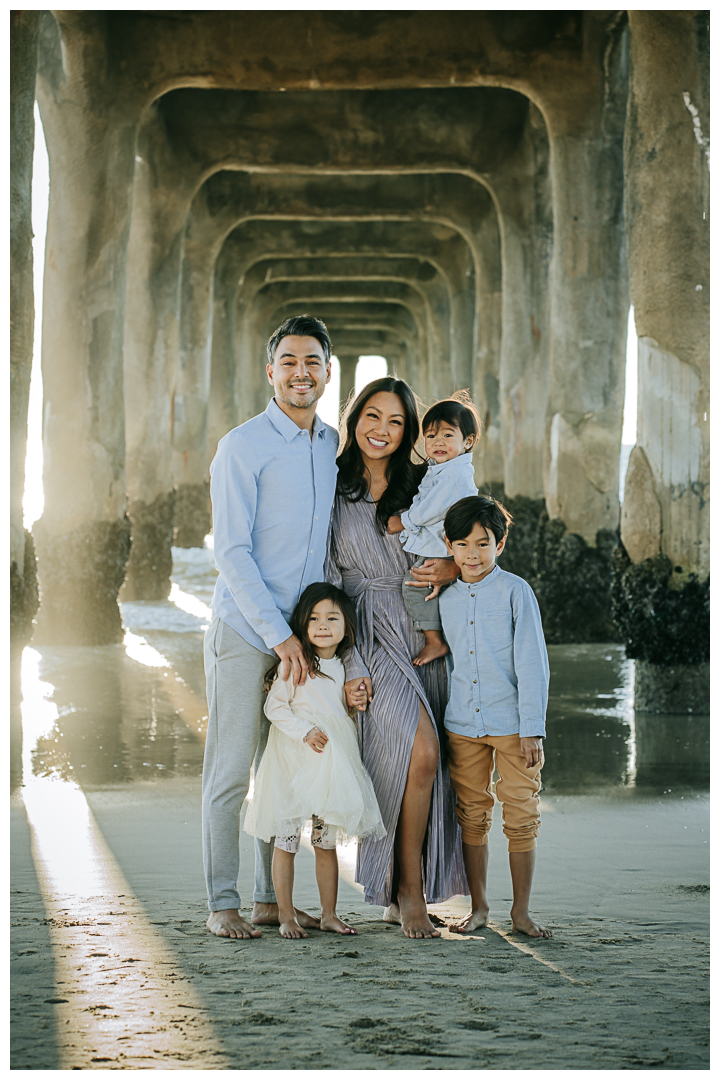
x=442, y=485
x=272, y=486
x=498, y=664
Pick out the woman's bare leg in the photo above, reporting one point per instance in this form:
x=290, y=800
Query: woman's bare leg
x=410, y=833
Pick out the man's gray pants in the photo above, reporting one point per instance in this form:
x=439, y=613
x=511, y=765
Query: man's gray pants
x=236, y=737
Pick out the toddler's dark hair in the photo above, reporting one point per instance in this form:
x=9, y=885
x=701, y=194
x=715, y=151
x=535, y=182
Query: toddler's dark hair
x=458, y=411
x=300, y=621
x=464, y=515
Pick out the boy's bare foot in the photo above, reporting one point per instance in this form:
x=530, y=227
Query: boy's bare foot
x=267, y=915
x=475, y=920
x=392, y=913
x=229, y=923
x=415, y=920
x=433, y=651
x=332, y=924
x=524, y=924
x=291, y=929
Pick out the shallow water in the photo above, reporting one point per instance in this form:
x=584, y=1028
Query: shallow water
x=137, y=711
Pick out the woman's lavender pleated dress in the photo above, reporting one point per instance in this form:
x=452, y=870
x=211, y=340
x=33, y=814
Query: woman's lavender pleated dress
x=371, y=569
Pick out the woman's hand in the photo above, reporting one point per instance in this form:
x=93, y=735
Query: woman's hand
x=358, y=692
x=394, y=524
x=434, y=572
x=316, y=739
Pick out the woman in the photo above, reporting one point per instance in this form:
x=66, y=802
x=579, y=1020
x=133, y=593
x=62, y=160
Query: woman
x=401, y=738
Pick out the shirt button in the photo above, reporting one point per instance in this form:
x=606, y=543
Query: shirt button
x=471, y=622
x=472, y=652
x=474, y=680
x=472, y=593
x=311, y=551
x=477, y=710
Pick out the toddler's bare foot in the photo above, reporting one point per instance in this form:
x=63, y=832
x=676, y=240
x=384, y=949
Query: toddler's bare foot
x=292, y=929
x=415, y=920
x=474, y=921
x=392, y=914
x=524, y=924
x=332, y=924
x=267, y=915
x=229, y=923
x=432, y=651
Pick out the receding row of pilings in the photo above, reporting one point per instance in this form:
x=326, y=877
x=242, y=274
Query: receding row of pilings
x=477, y=196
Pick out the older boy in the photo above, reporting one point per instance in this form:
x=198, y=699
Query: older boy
x=496, y=712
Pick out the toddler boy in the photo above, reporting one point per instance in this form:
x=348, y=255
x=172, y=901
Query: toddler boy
x=495, y=717
x=450, y=428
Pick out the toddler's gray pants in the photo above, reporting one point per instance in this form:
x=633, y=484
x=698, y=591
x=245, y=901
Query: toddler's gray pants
x=425, y=614
x=236, y=736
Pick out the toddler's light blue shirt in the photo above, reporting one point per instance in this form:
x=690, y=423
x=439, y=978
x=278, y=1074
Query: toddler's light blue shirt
x=498, y=665
x=272, y=486
x=441, y=486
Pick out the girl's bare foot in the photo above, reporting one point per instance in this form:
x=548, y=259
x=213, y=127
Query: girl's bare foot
x=229, y=923
x=415, y=919
x=392, y=913
x=267, y=915
x=332, y=924
x=433, y=651
x=524, y=924
x=475, y=920
x=291, y=929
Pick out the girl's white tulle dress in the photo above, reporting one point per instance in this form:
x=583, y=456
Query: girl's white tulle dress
x=294, y=782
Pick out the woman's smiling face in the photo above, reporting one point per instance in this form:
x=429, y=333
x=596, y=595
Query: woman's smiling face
x=380, y=426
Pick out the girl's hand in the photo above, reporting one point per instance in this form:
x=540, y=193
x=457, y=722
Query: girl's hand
x=358, y=692
x=394, y=524
x=316, y=739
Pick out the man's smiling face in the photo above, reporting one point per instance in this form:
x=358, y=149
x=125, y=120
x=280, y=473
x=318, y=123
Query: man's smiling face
x=298, y=373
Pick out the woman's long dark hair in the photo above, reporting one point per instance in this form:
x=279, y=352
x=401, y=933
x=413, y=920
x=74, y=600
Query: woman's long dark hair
x=403, y=474
x=300, y=620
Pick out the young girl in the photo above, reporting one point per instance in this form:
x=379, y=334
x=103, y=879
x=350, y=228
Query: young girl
x=311, y=767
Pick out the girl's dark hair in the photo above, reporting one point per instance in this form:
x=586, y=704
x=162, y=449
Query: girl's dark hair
x=464, y=515
x=458, y=411
x=300, y=620
x=403, y=474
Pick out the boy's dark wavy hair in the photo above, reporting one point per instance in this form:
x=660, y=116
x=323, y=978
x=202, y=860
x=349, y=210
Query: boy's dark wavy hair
x=300, y=620
x=464, y=515
x=403, y=474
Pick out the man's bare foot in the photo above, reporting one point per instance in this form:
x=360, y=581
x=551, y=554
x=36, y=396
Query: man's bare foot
x=475, y=920
x=415, y=920
x=392, y=913
x=433, y=651
x=524, y=924
x=229, y=923
x=291, y=929
x=332, y=924
x=267, y=915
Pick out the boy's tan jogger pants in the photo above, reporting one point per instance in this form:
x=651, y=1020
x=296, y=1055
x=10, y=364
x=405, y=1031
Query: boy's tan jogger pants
x=471, y=768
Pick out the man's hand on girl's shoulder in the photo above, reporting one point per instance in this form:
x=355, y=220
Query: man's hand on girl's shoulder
x=293, y=661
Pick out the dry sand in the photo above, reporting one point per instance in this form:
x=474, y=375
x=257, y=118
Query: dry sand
x=112, y=967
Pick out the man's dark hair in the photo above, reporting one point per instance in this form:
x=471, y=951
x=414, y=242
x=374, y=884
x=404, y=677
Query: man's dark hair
x=463, y=516
x=302, y=326
x=458, y=411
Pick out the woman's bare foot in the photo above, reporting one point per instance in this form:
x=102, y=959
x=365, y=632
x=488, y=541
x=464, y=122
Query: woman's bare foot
x=415, y=920
x=332, y=924
x=433, y=651
x=392, y=913
x=267, y=915
x=291, y=929
x=229, y=923
x=475, y=920
x=524, y=924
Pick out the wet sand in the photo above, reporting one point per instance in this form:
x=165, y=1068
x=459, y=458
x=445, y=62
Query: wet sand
x=112, y=967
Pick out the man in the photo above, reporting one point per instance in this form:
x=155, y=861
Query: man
x=272, y=484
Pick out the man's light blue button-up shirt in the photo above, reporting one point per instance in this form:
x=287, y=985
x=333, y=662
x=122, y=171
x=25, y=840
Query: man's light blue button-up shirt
x=272, y=486
x=498, y=664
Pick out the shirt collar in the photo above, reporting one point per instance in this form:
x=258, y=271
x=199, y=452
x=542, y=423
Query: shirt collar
x=287, y=427
x=479, y=584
